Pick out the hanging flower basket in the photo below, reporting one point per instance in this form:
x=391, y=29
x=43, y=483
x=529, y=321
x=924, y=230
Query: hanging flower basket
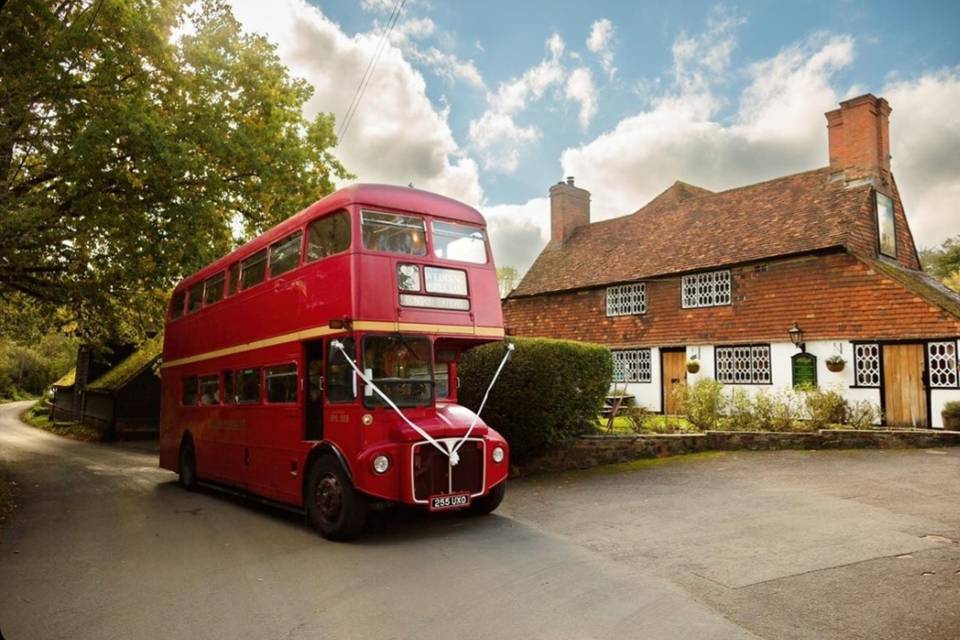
x=836, y=363
x=693, y=366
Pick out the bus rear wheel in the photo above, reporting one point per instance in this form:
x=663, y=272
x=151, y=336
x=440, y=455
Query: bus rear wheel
x=334, y=507
x=486, y=504
x=187, y=465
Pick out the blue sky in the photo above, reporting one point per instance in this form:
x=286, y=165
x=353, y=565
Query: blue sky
x=492, y=102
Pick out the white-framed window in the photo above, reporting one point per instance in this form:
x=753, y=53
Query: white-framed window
x=942, y=364
x=866, y=364
x=631, y=365
x=708, y=289
x=627, y=299
x=743, y=364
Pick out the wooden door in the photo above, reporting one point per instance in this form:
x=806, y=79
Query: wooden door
x=905, y=396
x=674, y=375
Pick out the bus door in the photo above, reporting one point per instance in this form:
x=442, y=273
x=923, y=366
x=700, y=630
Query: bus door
x=313, y=398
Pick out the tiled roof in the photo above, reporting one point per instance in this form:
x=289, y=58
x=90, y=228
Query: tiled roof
x=130, y=367
x=921, y=284
x=687, y=228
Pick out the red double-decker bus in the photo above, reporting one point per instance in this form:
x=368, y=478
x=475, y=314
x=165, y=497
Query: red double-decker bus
x=316, y=365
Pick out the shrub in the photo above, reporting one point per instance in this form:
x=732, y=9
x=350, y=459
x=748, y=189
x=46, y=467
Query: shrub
x=637, y=417
x=862, y=414
x=550, y=391
x=951, y=409
x=740, y=415
x=824, y=407
x=703, y=403
x=776, y=411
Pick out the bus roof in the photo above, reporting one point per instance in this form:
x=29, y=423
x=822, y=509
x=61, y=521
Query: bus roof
x=382, y=195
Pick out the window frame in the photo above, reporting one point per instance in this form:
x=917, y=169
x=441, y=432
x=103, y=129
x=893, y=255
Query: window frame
x=639, y=365
x=624, y=290
x=856, y=365
x=243, y=268
x=287, y=240
x=752, y=362
x=265, y=390
x=223, y=287
x=327, y=218
x=434, y=233
x=956, y=363
x=423, y=228
x=236, y=386
x=691, y=279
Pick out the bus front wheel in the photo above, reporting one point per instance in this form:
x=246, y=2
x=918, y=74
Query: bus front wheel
x=187, y=465
x=486, y=504
x=334, y=507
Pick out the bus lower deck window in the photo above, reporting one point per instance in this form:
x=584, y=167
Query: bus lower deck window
x=281, y=383
x=248, y=386
x=339, y=373
x=189, y=395
x=209, y=390
x=228, y=395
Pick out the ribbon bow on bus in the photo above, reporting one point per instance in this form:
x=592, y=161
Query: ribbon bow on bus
x=451, y=453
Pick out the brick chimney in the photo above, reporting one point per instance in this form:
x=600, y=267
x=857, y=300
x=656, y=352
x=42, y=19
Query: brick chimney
x=859, y=133
x=569, y=209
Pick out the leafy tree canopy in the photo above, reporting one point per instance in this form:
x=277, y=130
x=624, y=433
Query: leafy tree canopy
x=943, y=262
x=137, y=139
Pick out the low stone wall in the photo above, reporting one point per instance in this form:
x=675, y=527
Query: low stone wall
x=591, y=451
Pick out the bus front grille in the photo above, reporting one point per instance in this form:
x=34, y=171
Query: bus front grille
x=432, y=471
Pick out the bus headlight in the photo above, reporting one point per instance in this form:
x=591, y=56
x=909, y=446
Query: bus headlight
x=381, y=463
x=497, y=454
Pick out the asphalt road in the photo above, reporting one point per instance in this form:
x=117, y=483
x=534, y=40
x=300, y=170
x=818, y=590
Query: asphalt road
x=775, y=545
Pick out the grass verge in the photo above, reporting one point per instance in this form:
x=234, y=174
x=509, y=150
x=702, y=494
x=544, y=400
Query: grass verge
x=37, y=416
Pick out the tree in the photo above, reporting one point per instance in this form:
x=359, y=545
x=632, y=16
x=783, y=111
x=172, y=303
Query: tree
x=943, y=262
x=507, y=279
x=129, y=157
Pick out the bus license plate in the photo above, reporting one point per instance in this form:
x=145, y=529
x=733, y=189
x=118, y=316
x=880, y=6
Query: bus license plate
x=451, y=501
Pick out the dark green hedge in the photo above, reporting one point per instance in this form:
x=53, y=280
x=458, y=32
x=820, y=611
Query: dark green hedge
x=549, y=392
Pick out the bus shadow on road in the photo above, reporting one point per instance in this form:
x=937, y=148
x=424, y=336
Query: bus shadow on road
x=386, y=524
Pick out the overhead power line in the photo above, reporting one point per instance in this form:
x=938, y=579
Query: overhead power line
x=368, y=72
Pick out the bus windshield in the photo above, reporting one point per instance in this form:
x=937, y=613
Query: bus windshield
x=401, y=368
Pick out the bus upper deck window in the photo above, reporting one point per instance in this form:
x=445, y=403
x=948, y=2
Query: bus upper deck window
x=195, y=297
x=285, y=254
x=394, y=233
x=459, y=242
x=328, y=235
x=253, y=270
x=213, y=289
x=176, y=304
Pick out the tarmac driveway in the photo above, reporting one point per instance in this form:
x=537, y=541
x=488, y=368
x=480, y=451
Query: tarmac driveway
x=772, y=545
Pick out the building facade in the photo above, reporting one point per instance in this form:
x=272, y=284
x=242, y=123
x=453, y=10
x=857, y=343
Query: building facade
x=721, y=279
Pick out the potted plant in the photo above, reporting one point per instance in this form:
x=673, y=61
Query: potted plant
x=693, y=366
x=836, y=363
x=951, y=415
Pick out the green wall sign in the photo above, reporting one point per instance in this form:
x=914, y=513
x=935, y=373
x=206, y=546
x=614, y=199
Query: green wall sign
x=804, y=369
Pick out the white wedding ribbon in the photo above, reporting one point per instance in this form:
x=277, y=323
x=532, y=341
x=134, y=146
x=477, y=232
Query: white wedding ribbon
x=452, y=452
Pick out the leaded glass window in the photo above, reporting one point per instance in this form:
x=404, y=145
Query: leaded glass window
x=627, y=299
x=743, y=364
x=866, y=364
x=709, y=289
x=942, y=359
x=631, y=365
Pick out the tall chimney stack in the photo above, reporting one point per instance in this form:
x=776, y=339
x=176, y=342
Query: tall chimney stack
x=859, y=133
x=569, y=209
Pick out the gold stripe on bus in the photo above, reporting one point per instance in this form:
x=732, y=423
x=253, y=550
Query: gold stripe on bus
x=317, y=332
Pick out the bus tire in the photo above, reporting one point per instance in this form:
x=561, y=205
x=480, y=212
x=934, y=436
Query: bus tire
x=334, y=507
x=488, y=503
x=187, y=465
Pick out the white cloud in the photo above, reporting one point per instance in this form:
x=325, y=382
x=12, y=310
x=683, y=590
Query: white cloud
x=580, y=89
x=397, y=135
x=600, y=42
x=924, y=138
x=518, y=232
x=495, y=135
